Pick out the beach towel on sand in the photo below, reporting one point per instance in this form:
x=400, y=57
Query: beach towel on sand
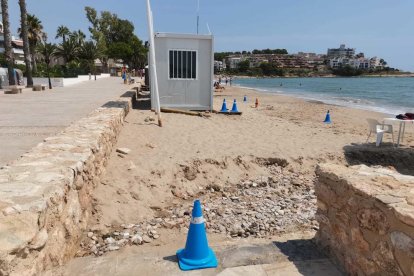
x=410, y=116
x=406, y=116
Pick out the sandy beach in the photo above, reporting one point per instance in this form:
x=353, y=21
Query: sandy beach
x=282, y=127
x=217, y=157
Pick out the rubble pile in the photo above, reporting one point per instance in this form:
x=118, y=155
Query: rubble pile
x=259, y=207
x=137, y=234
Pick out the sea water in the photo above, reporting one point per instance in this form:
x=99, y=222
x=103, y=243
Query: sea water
x=391, y=95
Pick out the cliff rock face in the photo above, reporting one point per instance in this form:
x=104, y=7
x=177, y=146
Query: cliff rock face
x=366, y=218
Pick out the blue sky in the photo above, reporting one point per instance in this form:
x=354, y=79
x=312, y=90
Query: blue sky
x=380, y=28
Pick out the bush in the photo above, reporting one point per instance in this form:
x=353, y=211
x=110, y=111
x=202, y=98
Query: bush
x=270, y=69
x=347, y=71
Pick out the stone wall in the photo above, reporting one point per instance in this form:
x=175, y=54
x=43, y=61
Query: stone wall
x=366, y=218
x=45, y=197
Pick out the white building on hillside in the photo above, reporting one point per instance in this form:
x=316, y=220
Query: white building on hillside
x=219, y=65
x=233, y=62
x=357, y=63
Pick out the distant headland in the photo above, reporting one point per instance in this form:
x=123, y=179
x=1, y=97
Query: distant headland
x=340, y=61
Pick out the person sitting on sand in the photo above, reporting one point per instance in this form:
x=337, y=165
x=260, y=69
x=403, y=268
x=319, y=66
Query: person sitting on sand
x=217, y=86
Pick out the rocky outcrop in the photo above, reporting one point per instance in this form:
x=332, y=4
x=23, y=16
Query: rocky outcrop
x=45, y=197
x=366, y=218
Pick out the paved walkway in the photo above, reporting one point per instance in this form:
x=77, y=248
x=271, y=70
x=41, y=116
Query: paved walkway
x=27, y=118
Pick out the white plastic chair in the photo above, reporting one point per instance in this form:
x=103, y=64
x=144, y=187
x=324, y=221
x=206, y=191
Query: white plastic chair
x=379, y=129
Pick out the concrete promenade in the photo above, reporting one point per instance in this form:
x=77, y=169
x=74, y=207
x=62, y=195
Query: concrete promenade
x=27, y=118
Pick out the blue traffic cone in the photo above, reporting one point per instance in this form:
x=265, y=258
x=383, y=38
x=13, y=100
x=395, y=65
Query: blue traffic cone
x=234, y=108
x=327, y=118
x=245, y=99
x=224, y=106
x=196, y=254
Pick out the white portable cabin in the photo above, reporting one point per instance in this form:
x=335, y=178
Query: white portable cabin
x=185, y=71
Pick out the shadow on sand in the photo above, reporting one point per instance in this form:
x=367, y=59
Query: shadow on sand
x=402, y=159
x=142, y=101
x=129, y=94
x=115, y=104
x=172, y=258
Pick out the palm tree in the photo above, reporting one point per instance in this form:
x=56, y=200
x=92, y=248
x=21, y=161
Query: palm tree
x=68, y=50
x=47, y=50
x=8, y=50
x=89, y=52
x=63, y=32
x=35, y=33
x=24, y=36
x=78, y=36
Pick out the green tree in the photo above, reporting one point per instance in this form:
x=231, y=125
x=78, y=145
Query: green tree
x=347, y=71
x=98, y=35
x=63, y=32
x=78, y=36
x=243, y=66
x=25, y=38
x=113, y=28
x=120, y=50
x=68, y=50
x=280, y=51
x=220, y=56
x=103, y=50
x=35, y=34
x=139, y=53
x=89, y=52
x=8, y=50
x=270, y=69
x=115, y=38
x=120, y=30
x=47, y=50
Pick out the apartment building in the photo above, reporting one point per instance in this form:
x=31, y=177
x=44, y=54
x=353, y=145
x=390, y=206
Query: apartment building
x=340, y=52
x=17, y=45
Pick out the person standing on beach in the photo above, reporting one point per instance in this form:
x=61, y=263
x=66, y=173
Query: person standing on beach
x=227, y=80
x=231, y=80
x=220, y=80
x=124, y=76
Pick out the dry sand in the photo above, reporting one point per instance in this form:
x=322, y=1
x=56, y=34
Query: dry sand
x=172, y=163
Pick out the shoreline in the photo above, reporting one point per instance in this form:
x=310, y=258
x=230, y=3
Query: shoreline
x=410, y=75
x=357, y=101
x=318, y=101
x=297, y=99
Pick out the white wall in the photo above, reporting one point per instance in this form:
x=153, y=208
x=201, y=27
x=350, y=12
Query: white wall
x=63, y=82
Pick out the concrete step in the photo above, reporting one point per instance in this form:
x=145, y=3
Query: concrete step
x=287, y=258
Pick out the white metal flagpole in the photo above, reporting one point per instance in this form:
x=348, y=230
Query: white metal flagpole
x=152, y=62
x=198, y=14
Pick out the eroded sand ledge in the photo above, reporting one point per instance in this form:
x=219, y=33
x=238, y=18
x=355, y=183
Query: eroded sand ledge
x=45, y=200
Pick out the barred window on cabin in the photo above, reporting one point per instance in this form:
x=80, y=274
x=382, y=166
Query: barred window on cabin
x=183, y=64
